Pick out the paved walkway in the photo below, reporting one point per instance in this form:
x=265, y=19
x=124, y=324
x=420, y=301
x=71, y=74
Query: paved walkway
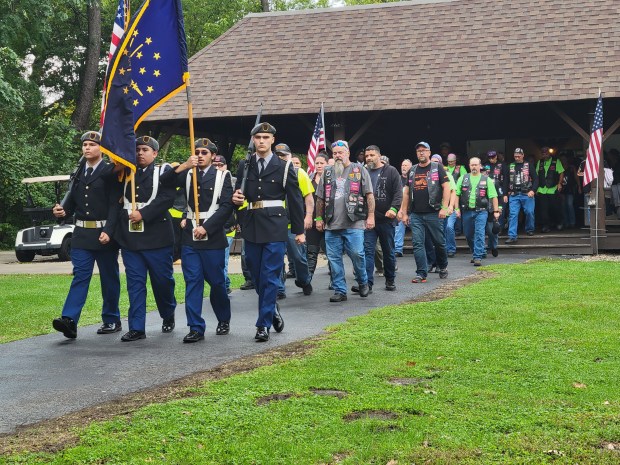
x=49, y=376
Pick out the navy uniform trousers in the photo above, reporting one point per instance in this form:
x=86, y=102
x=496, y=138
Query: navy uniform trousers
x=158, y=264
x=200, y=265
x=83, y=261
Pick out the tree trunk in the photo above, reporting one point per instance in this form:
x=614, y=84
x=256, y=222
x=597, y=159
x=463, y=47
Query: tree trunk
x=88, y=81
x=265, y=5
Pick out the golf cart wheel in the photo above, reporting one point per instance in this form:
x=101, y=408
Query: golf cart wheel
x=65, y=249
x=24, y=256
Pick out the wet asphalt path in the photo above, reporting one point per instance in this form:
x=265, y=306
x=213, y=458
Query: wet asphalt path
x=48, y=376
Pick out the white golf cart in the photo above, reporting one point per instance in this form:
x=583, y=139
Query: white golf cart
x=47, y=236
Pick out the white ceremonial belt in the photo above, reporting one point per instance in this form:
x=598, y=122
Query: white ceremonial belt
x=139, y=205
x=90, y=224
x=202, y=215
x=265, y=203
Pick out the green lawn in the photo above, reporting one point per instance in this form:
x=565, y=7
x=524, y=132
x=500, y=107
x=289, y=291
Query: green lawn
x=521, y=368
x=31, y=302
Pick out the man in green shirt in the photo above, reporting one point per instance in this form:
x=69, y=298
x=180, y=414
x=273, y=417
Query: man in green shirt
x=475, y=192
x=548, y=202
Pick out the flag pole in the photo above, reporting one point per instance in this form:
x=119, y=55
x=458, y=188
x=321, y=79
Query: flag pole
x=190, y=116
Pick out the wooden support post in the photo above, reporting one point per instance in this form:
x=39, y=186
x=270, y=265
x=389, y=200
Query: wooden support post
x=611, y=130
x=360, y=132
x=571, y=122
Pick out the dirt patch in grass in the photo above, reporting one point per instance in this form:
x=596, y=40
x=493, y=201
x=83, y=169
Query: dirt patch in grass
x=449, y=287
x=60, y=433
x=614, y=446
x=274, y=398
x=330, y=392
x=371, y=414
x=410, y=381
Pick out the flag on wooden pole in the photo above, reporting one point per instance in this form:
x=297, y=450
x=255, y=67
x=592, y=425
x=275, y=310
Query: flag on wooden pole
x=318, y=140
x=593, y=156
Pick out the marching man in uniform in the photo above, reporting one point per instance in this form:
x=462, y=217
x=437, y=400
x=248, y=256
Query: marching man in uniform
x=203, y=251
x=264, y=226
x=94, y=201
x=146, y=238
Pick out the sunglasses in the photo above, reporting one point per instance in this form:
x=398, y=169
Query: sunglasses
x=340, y=143
x=218, y=165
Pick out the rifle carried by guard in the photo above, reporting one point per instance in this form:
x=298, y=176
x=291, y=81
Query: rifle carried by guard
x=246, y=166
x=72, y=178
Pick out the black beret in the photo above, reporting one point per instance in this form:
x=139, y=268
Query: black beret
x=205, y=143
x=263, y=127
x=146, y=140
x=92, y=136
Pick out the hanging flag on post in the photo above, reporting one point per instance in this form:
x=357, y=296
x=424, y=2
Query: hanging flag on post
x=318, y=140
x=147, y=69
x=593, y=156
x=120, y=23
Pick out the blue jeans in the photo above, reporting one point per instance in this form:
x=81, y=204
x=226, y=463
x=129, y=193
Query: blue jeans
x=399, y=237
x=350, y=241
x=158, y=264
x=450, y=223
x=516, y=202
x=569, y=210
x=226, y=258
x=421, y=225
x=385, y=233
x=474, y=226
x=493, y=238
x=83, y=262
x=298, y=257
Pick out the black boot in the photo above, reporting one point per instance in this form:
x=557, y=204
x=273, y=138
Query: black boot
x=313, y=256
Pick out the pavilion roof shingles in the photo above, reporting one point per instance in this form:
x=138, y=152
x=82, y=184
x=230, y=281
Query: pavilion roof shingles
x=407, y=55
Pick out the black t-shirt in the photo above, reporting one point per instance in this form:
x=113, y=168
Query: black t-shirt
x=420, y=187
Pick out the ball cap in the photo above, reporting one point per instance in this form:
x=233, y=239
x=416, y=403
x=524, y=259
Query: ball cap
x=263, y=127
x=491, y=153
x=423, y=144
x=146, y=140
x=92, y=136
x=451, y=157
x=283, y=149
x=437, y=158
x=518, y=150
x=204, y=143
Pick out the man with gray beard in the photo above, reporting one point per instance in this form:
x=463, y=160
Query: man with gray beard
x=345, y=208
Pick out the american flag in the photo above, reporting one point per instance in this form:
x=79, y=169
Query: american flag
x=593, y=156
x=120, y=23
x=318, y=140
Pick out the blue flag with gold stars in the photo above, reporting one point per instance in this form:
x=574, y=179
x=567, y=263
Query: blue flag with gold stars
x=147, y=69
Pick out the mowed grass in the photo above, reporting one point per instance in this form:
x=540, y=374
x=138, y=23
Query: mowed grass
x=521, y=368
x=29, y=303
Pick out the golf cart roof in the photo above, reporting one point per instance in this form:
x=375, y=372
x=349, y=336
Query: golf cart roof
x=60, y=177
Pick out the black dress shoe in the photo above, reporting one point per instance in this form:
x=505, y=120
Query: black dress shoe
x=278, y=321
x=338, y=297
x=193, y=336
x=355, y=289
x=365, y=289
x=109, y=328
x=246, y=286
x=133, y=335
x=223, y=327
x=262, y=334
x=494, y=252
x=66, y=326
x=530, y=233
x=307, y=288
x=390, y=286
x=167, y=325
x=398, y=254
x=290, y=274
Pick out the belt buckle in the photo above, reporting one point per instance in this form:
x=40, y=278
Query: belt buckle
x=258, y=204
x=91, y=224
